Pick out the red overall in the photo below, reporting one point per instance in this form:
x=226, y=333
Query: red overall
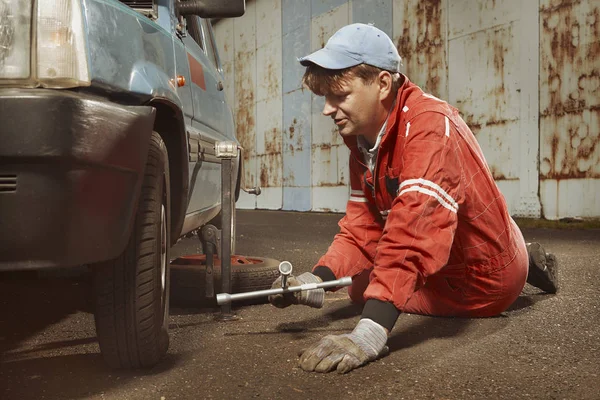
x=429, y=230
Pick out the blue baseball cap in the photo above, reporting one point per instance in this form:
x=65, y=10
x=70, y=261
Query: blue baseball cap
x=356, y=44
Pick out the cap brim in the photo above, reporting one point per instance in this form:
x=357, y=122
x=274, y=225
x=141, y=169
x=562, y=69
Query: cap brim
x=329, y=59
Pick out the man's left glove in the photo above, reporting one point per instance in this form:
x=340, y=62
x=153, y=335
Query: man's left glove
x=346, y=352
x=313, y=298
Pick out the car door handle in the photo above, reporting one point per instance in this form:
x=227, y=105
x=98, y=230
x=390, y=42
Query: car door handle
x=219, y=86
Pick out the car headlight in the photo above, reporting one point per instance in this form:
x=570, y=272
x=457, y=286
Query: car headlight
x=61, y=49
x=15, y=39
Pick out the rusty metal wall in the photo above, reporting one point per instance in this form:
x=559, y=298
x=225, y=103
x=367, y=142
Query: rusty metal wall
x=329, y=155
x=524, y=74
x=420, y=33
x=492, y=69
x=570, y=108
x=251, y=53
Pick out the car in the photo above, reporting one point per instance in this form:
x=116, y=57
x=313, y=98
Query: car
x=112, y=115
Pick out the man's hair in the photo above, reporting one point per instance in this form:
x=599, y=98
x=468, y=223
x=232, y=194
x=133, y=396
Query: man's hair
x=322, y=81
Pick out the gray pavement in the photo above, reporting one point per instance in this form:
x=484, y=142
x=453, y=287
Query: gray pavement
x=544, y=347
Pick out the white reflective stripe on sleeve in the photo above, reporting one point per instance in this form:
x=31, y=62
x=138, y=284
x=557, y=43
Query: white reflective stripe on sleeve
x=447, y=126
x=356, y=193
x=358, y=199
x=430, y=193
x=407, y=128
x=432, y=185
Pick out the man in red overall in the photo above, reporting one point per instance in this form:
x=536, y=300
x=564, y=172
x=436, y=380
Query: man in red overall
x=426, y=229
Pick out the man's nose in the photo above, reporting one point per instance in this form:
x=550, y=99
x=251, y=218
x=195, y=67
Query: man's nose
x=328, y=109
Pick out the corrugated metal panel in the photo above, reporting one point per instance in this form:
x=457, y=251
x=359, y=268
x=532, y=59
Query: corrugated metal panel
x=295, y=44
x=325, y=25
x=296, y=16
x=490, y=83
x=481, y=55
x=297, y=151
x=329, y=160
x=224, y=38
x=269, y=104
x=490, y=107
x=377, y=12
x=320, y=7
x=570, y=108
x=225, y=44
x=245, y=96
x=470, y=16
x=254, y=80
x=420, y=35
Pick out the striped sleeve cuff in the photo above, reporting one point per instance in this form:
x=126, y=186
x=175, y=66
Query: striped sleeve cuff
x=358, y=196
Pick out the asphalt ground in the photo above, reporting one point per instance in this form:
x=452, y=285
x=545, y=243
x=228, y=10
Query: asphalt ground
x=544, y=347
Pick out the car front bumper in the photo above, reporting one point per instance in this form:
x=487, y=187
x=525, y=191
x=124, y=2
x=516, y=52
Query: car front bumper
x=71, y=168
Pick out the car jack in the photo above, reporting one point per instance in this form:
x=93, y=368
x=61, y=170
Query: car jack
x=210, y=237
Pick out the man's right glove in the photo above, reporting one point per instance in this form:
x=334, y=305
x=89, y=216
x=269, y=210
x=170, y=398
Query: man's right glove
x=312, y=298
x=346, y=352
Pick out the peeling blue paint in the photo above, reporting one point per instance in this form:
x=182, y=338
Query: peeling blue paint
x=297, y=150
x=295, y=44
x=318, y=103
x=297, y=199
x=294, y=14
x=378, y=12
x=319, y=7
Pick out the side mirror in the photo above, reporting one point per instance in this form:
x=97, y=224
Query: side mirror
x=211, y=8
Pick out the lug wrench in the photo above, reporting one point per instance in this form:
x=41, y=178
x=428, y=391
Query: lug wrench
x=285, y=269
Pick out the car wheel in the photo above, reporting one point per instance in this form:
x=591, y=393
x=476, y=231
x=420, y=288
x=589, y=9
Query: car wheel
x=132, y=291
x=247, y=274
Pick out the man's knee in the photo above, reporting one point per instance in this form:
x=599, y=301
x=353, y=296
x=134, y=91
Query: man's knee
x=356, y=291
x=357, y=296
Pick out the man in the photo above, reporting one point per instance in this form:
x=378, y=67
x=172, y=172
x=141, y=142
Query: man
x=426, y=229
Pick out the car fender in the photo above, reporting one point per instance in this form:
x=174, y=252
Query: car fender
x=169, y=123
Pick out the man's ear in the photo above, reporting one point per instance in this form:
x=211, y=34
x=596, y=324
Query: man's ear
x=385, y=84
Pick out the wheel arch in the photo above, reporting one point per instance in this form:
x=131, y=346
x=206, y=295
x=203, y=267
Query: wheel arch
x=170, y=125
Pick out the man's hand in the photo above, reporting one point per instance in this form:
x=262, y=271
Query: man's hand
x=312, y=298
x=347, y=352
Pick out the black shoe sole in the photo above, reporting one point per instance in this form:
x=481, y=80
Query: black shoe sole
x=542, y=268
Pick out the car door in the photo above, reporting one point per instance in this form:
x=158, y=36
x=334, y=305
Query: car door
x=208, y=121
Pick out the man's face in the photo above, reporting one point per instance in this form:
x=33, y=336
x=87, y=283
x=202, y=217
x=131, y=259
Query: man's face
x=356, y=108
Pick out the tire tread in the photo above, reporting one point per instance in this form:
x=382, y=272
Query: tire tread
x=128, y=307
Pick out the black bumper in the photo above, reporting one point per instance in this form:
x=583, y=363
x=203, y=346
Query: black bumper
x=71, y=168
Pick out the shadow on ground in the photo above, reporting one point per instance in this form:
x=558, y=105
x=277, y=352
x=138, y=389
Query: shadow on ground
x=53, y=375
x=30, y=304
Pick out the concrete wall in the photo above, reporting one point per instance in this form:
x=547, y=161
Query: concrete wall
x=524, y=74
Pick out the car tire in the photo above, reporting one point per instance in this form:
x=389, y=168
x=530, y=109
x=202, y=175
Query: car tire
x=132, y=291
x=247, y=274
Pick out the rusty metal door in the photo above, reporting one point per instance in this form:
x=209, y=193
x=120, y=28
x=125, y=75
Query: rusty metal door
x=570, y=108
x=493, y=80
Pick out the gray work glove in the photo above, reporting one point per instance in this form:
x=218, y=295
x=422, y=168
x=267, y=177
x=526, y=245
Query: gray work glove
x=312, y=298
x=346, y=352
